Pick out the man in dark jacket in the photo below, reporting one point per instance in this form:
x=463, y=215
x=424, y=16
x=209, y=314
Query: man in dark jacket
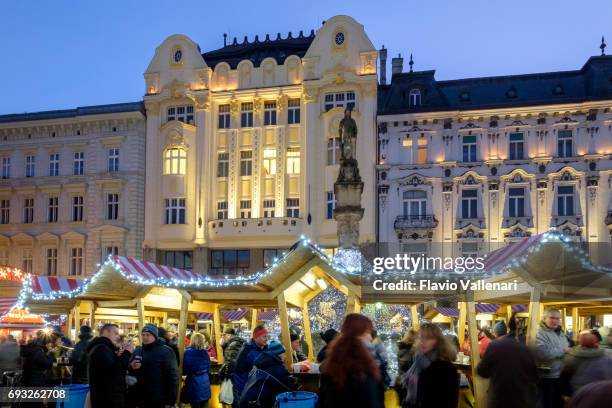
x=107, y=366
x=327, y=336
x=37, y=359
x=165, y=338
x=154, y=365
x=78, y=358
x=247, y=356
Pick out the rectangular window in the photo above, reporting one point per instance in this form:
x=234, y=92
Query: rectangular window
x=516, y=202
x=52, y=209
x=175, y=211
x=51, y=262
x=26, y=264
x=469, y=203
x=175, y=161
x=6, y=167
x=245, y=209
x=293, y=111
x=469, y=148
x=78, y=168
x=110, y=251
x=76, y=261
x=5, y=211
x=222, y=164
x=30, y=166
x=517, y=144
x=77, y=208
x=293, y=160
x=229, y=261
x=270, y=256
x=54, y=164
x=564, y=143
x=269, y=162
x=340, y=99
x=331, y=205
x=269, y=113
x=422, y=151
x=179, y=259
x=415, y=204
x=182, y=113
x=246, y=114
x=222, y=210
x=565, y=201
x=333, y=151
x=293, y=208
x=224, y=116
x=112, y=206
x=246, y=163
x=268, y=208
x=28, y=210
x=113, y=159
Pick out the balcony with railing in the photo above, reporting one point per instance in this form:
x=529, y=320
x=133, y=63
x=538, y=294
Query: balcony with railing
x=408, y=222
x=284, y=227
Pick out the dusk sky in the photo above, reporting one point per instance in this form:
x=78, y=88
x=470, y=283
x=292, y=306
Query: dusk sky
x=63, y=54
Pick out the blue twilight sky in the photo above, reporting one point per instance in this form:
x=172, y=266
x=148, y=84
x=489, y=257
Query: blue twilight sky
x=61, y=54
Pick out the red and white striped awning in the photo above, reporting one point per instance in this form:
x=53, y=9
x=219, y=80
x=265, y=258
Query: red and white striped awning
x=144, y=270
x=502, y=257
x=7, y=304
x=46, y=285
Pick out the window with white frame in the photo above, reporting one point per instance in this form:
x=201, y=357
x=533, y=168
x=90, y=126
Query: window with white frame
x=293, y=208
x=421, y=153
x=516, y=202
x=76, y=261
x=331, y=205
x=246, y=114
x=113, y=159
x=78, y=167
x=333, y=151
x=26, y=264
x=175, y=161
x=246, y=163
x=5, y=211
x=28, y=210
x=222, y=210
x=340, y=99
x=469, y=148
x=77, y=208
x=414, y=203
x=517, y=146
x=53, y=209
x=469, y=203
x=51, y=262
x=222, y=164
x=54, y=164
x=30, y=166
x=268, y=208
x=293, y=111
x=565, y=201
x=109, y=250
x=293, y=160
x=174, y=211
x=224, y=116
x=269, y=113
x=245, y=209
x=112, y=206
x=414, y=97
x=269, y=162
x=564, y=143
x=182, y=113
x=6, y=167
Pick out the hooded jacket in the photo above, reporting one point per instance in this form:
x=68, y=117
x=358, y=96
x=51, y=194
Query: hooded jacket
x=550, y=345
x=158, y=378
x=36, y=362
x=106, y=372
x=231, y=350
x=582, y=366
x=196, y=366
x=79, y=360
x=268, y=379
x=244, y=363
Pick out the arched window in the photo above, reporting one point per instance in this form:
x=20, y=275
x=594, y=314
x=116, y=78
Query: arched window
x=175, y=161
x=414, y=97
x=415, y=203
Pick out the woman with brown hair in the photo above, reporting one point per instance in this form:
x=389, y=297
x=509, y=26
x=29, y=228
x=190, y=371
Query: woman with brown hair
x=432, y=381
x=351, y=376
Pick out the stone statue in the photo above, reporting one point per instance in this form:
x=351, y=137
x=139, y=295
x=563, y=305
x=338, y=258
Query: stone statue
x=348, y=136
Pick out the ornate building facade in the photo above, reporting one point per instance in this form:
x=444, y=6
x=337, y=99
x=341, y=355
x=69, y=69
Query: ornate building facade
x=71, y=188
x=481, y=162
x=243, y=148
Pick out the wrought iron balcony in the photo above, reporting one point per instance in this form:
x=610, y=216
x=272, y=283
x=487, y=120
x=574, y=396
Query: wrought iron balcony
x=407, y=222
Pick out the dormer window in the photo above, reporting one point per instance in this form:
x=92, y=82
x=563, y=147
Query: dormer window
x=414, y=98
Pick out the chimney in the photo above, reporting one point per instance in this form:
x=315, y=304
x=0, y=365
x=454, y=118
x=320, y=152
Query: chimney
x=397, y=64
x=382, y=53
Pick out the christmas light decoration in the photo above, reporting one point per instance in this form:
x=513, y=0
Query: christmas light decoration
x=10, y=273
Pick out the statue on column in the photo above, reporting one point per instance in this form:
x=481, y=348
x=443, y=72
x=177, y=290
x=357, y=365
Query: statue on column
x=347, y=131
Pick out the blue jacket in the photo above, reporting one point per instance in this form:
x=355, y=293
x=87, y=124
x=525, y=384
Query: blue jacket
x=268, y=379
x=196, y=366
x=244, y=364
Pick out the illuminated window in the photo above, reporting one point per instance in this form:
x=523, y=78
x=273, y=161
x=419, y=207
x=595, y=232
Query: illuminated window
x=516, y=146
x=269, y=113
x=333, y=151
x=175, y=161
x=422, y=151
x=293, y=160
x=269, y=161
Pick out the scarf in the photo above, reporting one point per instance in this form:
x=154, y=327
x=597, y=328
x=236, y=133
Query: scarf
x=411, y=378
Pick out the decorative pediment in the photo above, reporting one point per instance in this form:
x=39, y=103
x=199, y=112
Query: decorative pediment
x=470, y=231
x=22, y=238
x=566, y=174
x=177, y=89
x=518, y=231
x=470, y=126
x=470, y=178
x=173, y=134
x=570, y=229
x=73, y=236
x=47, y=237
x=517, y=176
x=413, y=180
x=566, y=120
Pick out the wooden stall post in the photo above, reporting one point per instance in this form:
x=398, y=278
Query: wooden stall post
x=480, y=384
x=534, y=315
x=182, y=327
x=307, y=332
x=254, y=314
x=508, y=316
x=141, y=316
x=352, y=304
x=563, y=318
x=284, y=322
x=69, y=320
x=76, y=312
x=92, y=317
x=414, y=316
x=461, y=323
x=575, y=324
x=218, y=334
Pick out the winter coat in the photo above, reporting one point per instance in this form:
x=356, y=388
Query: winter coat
x=596, y=395
x=369, y=393
x=36, y=362
x=196, y=366
x=513, y=374
x=267, y=379
x=158, y=377
x=9, y=357
x=231, y=350
x=438, y=386
x=298, y=356
x=106, y=373
x=405, y=356
x=550, y=346
x=322, y=354
x=79, y=360
x=174, y=348
x=244, y=363
x=583, y=366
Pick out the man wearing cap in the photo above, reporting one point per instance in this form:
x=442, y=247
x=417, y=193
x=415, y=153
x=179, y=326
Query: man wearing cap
x=78, y=358
x=154, y=366
x=250, y=351
x=296, y=349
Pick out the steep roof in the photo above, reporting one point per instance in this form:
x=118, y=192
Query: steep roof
x=72, y=113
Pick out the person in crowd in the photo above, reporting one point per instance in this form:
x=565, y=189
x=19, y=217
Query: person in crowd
x=586, y=363
x=246, y=358
x=500, y=330
x=37, y=360
x=512, y=370
x=196, y=366
x=210, y=347
x=155, y=368
x=594, y=395
x=107, y=367
x=609, y=341
x=269, y=378
x=296, y=349
x=350, y=376
x=551, y=346
x=59, y=374
x=165, y=338
x=78, y=358
x=378, y=349
x=231, y=344
x=297, y=329
x=513, y=327
x=484, y=339
x=431, y=372
x=453, y=339
x=9, y=355
x=405, y=358
x=327, y=336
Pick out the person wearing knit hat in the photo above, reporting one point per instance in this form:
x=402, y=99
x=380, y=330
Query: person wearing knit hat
x=78, y=358
x=152, y=329
x=296, y=348
x=276, y=348
x=247, y=356
x=500, y=329
x=327, y=336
